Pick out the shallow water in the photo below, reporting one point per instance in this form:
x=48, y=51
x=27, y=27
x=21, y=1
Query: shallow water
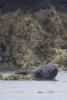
x=35, y=90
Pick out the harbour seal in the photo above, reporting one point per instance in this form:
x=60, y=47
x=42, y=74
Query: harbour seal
x=47, y=72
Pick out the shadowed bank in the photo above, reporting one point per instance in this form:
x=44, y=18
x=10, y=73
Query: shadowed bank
x=32, y=5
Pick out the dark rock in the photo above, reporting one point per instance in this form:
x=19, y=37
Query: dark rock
x=3, y=47
x=47, y=72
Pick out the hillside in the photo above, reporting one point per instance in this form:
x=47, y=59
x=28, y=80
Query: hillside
x=32, y=33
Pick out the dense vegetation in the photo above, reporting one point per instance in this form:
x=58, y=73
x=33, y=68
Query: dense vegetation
x=29, y=40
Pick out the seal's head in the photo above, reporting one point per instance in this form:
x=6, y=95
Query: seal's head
x=56, y=66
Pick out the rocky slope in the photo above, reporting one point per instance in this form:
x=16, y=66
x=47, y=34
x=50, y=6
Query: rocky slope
x=32, y=33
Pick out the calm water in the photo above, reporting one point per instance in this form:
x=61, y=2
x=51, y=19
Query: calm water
x=35, y=90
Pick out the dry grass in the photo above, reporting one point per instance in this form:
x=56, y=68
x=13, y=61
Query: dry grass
x=59, y=58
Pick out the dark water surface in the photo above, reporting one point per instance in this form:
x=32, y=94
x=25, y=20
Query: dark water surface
x=35, y=90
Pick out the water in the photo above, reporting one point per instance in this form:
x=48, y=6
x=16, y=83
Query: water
x=35, y=90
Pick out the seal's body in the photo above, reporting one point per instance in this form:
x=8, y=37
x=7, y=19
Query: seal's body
x=48, y=71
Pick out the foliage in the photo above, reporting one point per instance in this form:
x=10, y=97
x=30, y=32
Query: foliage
x=30, y=39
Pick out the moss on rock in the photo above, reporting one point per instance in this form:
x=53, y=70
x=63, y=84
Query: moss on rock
x=18, y=77
x=1, y=77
